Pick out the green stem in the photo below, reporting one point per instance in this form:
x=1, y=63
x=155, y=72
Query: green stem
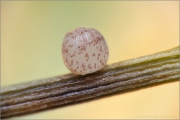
x=43, y=94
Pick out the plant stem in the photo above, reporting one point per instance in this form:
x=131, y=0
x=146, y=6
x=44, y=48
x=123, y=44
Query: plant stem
x=52, y=92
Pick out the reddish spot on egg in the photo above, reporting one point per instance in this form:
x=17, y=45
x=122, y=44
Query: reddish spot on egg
x=84, y=51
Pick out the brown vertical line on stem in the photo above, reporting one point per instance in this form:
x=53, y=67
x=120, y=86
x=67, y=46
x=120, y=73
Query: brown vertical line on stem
x=61, y=90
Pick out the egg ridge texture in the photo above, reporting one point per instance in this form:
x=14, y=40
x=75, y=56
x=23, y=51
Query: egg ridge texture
x=84, y=51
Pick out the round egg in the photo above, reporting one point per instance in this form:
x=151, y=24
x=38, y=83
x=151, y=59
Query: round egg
x=84, y=51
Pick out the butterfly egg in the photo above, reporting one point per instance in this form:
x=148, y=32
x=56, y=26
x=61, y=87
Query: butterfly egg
x=84, y=51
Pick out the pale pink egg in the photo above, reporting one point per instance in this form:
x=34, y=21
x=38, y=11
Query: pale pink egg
x=84, y=51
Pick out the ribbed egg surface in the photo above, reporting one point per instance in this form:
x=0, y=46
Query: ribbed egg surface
x=84, y=50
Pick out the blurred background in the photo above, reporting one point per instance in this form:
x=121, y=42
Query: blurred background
x=32, y=34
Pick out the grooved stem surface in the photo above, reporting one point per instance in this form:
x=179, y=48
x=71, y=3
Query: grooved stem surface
x=38, y=95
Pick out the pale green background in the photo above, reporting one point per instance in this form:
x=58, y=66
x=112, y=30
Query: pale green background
x=31, y=38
